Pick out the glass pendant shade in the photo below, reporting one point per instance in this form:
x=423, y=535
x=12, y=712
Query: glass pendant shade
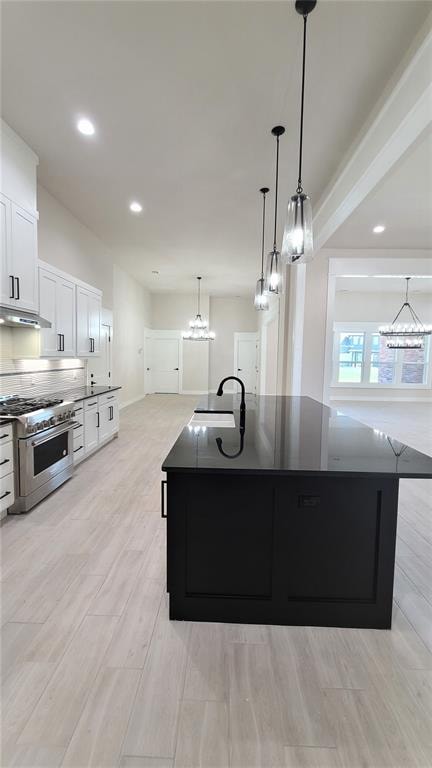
x=273, y=280
x=297, y=243
x=261, y=301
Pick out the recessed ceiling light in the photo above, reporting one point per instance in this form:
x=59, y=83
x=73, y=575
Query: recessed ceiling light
x=378, y=229
x=85, y=126
x=135, y=207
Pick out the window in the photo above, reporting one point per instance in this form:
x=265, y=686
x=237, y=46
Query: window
x=351, y=349
x=382, y=361
x=361, y=358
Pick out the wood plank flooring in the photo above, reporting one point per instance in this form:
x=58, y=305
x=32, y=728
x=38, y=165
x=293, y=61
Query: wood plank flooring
x=94, y=673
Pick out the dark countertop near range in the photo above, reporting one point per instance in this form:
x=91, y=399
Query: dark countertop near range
x=293, y=435
x=83, y=393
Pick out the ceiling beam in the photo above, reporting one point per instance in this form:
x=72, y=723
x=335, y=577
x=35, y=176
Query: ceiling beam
x=402, y=115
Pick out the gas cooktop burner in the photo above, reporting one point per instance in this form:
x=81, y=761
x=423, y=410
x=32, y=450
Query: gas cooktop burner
x=18, y=406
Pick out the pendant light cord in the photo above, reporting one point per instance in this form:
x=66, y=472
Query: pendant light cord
x=299, y=183
x=276, y=191
x=262, y=242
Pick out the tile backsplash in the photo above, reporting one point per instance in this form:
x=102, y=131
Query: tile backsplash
x=29, y=377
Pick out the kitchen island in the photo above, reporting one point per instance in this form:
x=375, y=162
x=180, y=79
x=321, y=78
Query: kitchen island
x=291, y=520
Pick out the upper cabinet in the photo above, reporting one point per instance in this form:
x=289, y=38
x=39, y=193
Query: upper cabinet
x=89, y=307
x=18, y=256
x=57, y=304
x=74, y=311
x=18, y=223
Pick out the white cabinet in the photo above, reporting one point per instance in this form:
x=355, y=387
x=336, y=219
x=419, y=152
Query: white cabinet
x=78, y=433
x=91, y=425
x=18, y=256
x=57, y=304
x=105, y=427
x=24, y=258
x=7, y=482
x=89, y=306
x=100, y=424
x=5, y=250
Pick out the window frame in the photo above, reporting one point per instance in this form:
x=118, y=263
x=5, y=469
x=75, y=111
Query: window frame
x=369, y=329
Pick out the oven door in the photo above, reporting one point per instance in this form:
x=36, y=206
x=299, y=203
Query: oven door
x=44, y=456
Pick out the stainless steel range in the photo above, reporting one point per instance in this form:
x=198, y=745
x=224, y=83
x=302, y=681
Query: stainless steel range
x=43, y=446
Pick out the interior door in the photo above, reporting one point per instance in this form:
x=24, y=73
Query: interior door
x=247, y=363
x=24, y=258
x=165, y=365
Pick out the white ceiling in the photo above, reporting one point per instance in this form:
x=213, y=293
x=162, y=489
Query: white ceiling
x=402, y=202
x=184, y=95
x=384, y=284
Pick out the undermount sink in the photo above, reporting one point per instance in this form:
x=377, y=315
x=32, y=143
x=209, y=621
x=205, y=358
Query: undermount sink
x=212, y=420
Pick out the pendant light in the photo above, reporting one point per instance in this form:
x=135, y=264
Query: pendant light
x=261, y=299
x=297, y=244
x=274, y=281
x=406, y=335
x=198, y=328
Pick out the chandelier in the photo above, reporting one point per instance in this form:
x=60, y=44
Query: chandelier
x=198, y=328
x=408, y=335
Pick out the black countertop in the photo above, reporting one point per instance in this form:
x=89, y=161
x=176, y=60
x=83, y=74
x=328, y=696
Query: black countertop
x=297, y=435
x=83, y=393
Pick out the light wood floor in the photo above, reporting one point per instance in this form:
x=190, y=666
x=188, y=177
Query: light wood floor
x=94, y=674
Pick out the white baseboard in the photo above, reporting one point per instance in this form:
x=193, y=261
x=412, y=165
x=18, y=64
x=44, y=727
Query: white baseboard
x=131, y=402
x=226, y=391
x=372, y=399
x=194, y=392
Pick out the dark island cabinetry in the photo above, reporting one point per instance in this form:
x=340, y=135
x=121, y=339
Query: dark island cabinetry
x=289, y=517
x=281, y=550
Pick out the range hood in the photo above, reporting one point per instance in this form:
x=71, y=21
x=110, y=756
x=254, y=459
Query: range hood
x=16, y=318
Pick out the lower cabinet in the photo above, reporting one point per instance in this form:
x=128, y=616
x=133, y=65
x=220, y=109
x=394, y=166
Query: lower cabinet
x=78, y=434
x=96, y=422
x=91, y=425
x=7, y=487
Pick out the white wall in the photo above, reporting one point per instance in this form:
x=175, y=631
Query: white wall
x=67, y=244
x=380, y=307
x=131, y=316
x=228, y=316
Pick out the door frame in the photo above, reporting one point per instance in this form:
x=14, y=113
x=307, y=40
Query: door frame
x=151, y=335
x=243, y=336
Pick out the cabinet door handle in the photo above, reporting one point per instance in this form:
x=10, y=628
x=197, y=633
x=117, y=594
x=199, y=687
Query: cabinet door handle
x=7, y=493
x=111, y=410
x=59, y=342
x=163, y=510
x=93, y=403
x=98, y=417
x=5, y=461
x=18, y=288
x=176, y=369
x=78, y=449
x=110, y=397
x=6, y=434
x=12, y=293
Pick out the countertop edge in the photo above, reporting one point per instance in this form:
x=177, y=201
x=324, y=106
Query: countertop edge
x=296, y=473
